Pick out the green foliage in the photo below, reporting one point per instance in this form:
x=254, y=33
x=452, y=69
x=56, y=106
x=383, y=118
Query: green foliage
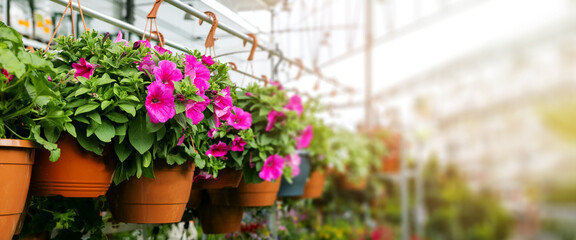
x=355, y=154
x=27, y=102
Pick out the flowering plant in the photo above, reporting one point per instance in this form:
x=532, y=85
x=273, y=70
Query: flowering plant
x=355, y=155
x=277, y=133
x=146, y=102
x=319, y=150
x=27, y=102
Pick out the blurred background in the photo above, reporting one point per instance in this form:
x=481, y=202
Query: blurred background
x=481, y=94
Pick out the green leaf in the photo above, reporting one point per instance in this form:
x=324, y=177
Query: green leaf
x=132, y=98
x=138, y=136
x=105, y=104
x=148, y=172
x=82, y=119
x=265, y=139
x=54, y=155
x=76, y=103
x=105, y=79
x=105, y=132
x=123, y=150
x=70, y=129
x=138, y=167
x=11, y=63
x=199, y=161
x=81, y=91
x=9, y=34
x=237, y=156
x=89, y=143
x=128, y=108
x=95, y=116
x=92, y=128
x=117, y=117
x=153, y=127
x=121, y=130
x=86, y=108
x=42, y=100
x=147, y=159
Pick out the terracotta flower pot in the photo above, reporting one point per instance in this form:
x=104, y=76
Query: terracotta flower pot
x=78, y=173
x=159, y=200
x=227, y=177
x=16, y=160
x=220, y=219
x=246, y=195
x=344, y=183
x=314, y=185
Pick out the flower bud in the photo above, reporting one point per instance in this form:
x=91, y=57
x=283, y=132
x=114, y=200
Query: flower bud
x=136, y=45
x=106, y=36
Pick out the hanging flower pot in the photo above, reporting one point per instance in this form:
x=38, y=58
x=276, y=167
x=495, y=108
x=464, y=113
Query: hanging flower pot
x=391, y=162
x=220, y=219
x=227, y=177
x=159, y=200
x=246, y=195
x=16, y=159
x=77, y=173
x=347, y=184
x=195, y=198
x=296, y=188
x=314, y=185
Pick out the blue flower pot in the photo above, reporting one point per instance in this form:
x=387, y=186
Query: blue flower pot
x=299, y=182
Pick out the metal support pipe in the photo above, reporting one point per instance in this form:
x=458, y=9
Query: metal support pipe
x=368, y=65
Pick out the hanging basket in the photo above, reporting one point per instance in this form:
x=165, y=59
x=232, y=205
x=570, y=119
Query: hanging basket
x=345, y=183
x=220, y=219
x=296, y=188
x=159, y=200
x=246, y=195
x=227, y=177
x=16, y=160
x=314, y=185
x=78, y=172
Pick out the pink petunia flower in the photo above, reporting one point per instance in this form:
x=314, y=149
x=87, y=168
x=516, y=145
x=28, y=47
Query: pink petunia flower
x=202, y=175
x=147, y=65
x=160, y=102
x=166, y=72
x=162, y=50
x=238, y=144
x=303, y=141
x=181, y=140
x=211, y=132
x=8, y=75
x=249, y=94
x=207, y=60
x=222, y=106
x=144, y=43
x=241, y=119
x=120, y=39
x=294, y=162
x=272, y=168
x=83, y=68
x=277, y=84
x=273, y=116
x=218, y=150
x=194, y=109
x=295, y=104
x=199, y=74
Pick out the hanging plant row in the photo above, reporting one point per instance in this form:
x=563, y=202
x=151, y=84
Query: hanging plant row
x=152, y=131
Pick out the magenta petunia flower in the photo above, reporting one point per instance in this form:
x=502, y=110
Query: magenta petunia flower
x=202, y=175
x=277, y=84
x=238, y=144
x=194, y=109
x=144, y=43
x=120, y=39
x=293, y=161
x=83, y=68
x=9, y=76
x=241, y=119
x=211, y=132
x=222, y=106
x=181, y=140
x=218, y=150
x=162, y=50
x=207, y=60
x=303, y=141
x=199, y=74
x=160, y=102
x=167, y=72
x=249, y=94
x=272, y=168
x=273, y=116
x=147, y=65
x=295, y=104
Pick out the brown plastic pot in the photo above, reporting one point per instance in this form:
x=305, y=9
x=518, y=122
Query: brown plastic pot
x=246, y=195
x=77, y=173
x=159, y=200
x=220, y=219
x=16, y=160
x=314, y=185
x=227, y=177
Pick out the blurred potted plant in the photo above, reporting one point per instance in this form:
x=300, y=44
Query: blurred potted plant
x=27, y=103
x=354, y=160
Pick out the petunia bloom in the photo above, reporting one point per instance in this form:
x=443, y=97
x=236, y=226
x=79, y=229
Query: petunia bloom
x=83, y=68
x=303, y=141
x=294, y=162
x=167, y=72
x=222, y=106
x=207, y=60
x=199, y=74
x=160, y=102
x=295, y=104
x=8, y=75
x=238, y=144
x=147, y=65
x=273, y=116
x=120, y=39
x=272, y=168
x=211, y=132
x=218, y=150
x=240, y=119
x=162, y=50
x=195, y=109
x=181, y=140
x=202, y=175
x=277, y=84
x=249, y=94
x=144, y=43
